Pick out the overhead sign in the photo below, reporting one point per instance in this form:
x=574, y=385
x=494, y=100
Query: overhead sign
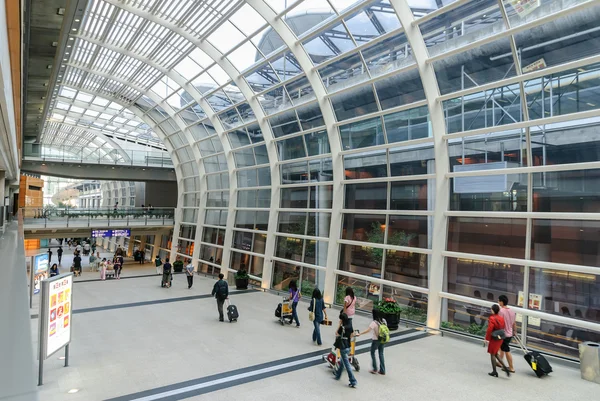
x=40, y=271
x=55, y=313
x=111, y=233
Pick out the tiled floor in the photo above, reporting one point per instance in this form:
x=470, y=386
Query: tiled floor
x=123, y=351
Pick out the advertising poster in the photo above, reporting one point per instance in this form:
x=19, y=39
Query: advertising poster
x=40, y=271
x=59, y=314
x=374, y=289
x=535, y=303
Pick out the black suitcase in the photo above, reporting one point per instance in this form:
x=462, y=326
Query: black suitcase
x=538, y=362
x=278, y=311
x=232, y=313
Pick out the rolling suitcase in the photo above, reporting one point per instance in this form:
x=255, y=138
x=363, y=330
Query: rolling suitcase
x=538, y=363
x=232, y=312
x=278, y=311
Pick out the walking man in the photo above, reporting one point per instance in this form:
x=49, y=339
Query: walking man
x=189, y=271
x=220, y=292
x=166, y=276
x=510, y=330
x=59, y=252
x=49, y=255
x=158, y=263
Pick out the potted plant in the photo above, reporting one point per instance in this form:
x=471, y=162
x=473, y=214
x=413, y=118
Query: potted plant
x=390, y=311
x=241, y=279
x=178, y=266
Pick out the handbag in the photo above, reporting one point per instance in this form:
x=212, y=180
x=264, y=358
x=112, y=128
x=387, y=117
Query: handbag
x=339, y=340
x=498, y=334
x=311, y=314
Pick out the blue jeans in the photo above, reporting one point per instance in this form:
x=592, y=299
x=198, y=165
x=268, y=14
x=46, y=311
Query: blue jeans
x=295, y=313
x=376, y=345
x=345, y=365
x=317, y=332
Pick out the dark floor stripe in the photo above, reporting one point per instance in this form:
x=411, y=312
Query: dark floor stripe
x=92, y=280
x=283, y=370
x=152, y=302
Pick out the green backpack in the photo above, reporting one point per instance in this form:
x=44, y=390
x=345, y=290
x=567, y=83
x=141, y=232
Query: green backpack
x=384, y=333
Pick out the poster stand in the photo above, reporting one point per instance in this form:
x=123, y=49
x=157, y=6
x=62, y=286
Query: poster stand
x=55, y=323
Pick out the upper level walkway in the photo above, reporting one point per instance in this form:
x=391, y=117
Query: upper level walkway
x=104, y=217
x=100, y=164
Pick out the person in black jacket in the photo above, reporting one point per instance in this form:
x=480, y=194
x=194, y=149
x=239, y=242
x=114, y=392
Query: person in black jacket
x=77, y=264
x=343, y=335
x=59, y=252
x=220, y=292
x=166, y=277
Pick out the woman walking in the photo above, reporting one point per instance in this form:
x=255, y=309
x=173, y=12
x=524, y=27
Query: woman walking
x=376, y=344
x=495, y=322
x=294, y=297
x=350, y=303
x=317, y=307
x=103, y=269
x=342, y=342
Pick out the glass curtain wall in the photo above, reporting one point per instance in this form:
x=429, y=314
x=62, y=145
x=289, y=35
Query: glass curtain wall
x=506, y=92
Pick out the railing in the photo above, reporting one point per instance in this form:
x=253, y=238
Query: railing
x=49, y=217
x=103, y=156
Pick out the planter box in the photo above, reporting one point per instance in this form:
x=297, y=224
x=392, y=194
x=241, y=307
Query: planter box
x=393, y=320
x=241, y=283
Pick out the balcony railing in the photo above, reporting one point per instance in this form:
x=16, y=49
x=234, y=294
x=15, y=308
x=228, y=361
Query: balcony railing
x=103, y=217
x=102, y=156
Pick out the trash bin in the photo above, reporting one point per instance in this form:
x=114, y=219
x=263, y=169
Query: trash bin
x=589, y=359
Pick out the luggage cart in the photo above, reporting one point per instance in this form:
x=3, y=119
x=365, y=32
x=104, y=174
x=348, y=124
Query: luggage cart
x=334, y=360
x=286, y=311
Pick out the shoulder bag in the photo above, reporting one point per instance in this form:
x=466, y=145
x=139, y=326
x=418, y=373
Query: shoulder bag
x=311, y=314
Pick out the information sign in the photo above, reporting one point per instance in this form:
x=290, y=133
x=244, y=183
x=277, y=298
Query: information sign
x=58, y=332
x=111, y=233
x=40, y=271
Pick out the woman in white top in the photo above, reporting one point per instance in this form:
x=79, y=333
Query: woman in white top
x=375, y=343
x=103, y=269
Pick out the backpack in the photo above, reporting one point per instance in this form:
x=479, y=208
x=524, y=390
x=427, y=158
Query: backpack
x=221, y=290
x=384, y=333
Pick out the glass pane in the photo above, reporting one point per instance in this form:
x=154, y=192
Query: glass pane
x=566, y=241
x=366, y=196
x=487, y=236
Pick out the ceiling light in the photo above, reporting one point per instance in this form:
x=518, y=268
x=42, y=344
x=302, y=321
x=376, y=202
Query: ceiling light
x=65, y=59
x=69, y=46
x=49, y=66
x=60, y=11
x=73, y=391
x=74, y=29
x=76, y=20
x=43, y=164
x=70, y=38
x=54, y=44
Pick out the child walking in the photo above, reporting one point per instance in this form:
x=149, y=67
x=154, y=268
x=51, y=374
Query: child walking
x=377, y=342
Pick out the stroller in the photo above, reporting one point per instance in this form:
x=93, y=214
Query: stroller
x=334, y=359
x=167, y=280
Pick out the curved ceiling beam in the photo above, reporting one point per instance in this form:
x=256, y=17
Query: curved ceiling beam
x=442, y=167
x=248, y=93
x=301, y=55
x=138, y=112
x=103, y=136
x=99, y=109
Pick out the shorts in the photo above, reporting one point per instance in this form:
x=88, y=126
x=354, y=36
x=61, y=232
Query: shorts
x=505, y=344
